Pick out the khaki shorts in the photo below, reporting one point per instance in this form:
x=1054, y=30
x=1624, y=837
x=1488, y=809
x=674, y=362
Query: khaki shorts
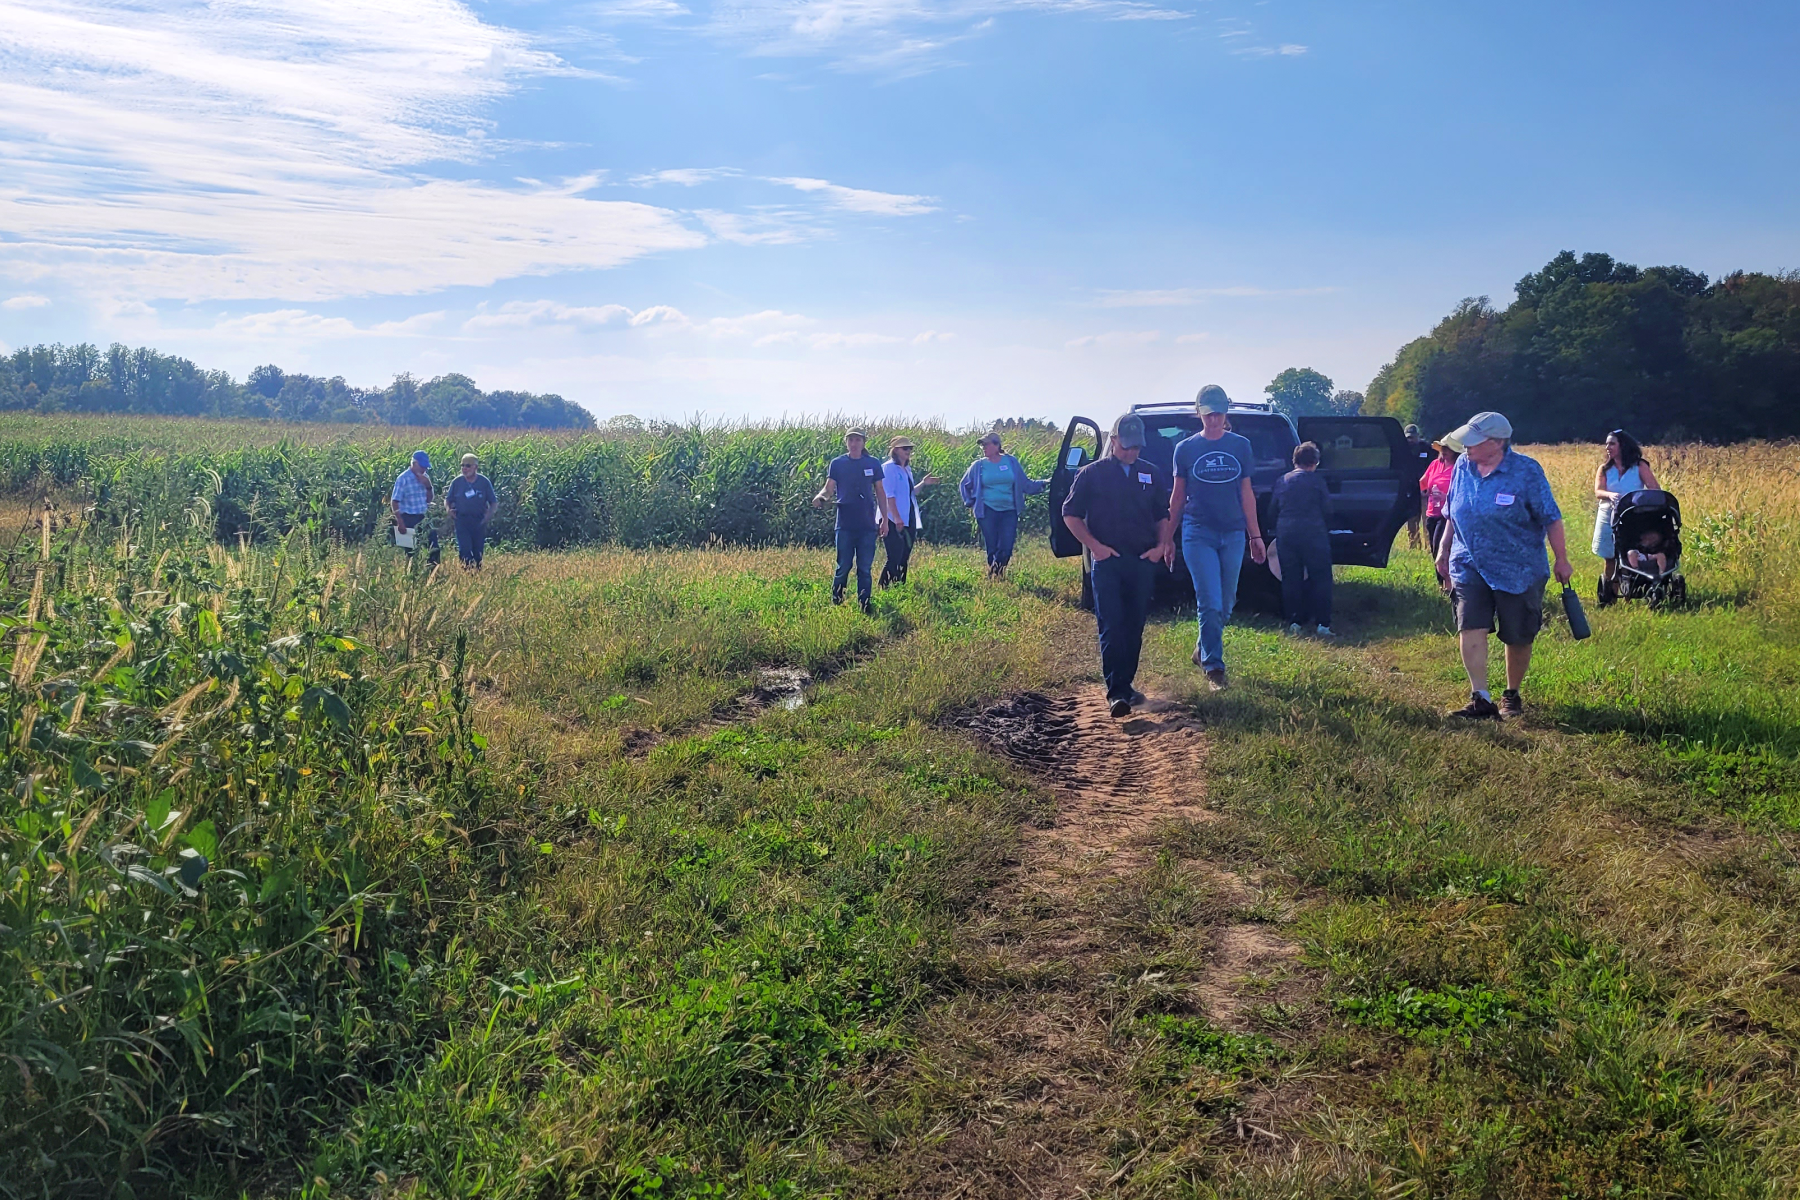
x=1518, y=615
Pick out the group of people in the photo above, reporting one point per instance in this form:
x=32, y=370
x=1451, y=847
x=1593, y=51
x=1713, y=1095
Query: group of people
x=469, y=500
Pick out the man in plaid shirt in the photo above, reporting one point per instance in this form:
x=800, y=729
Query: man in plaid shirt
x=411, y=498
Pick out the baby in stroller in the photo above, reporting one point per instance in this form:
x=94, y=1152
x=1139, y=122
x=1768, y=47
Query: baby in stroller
x=1646, y=526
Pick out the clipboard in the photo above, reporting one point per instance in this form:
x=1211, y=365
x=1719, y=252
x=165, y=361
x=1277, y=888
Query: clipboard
x=406, y=539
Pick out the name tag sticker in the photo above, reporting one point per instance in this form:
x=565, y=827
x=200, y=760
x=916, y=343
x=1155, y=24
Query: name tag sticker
x=871, y=470
x=1503, y=498
x=1143, y=479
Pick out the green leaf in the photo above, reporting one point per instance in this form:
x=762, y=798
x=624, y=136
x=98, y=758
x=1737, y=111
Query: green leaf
x=204, y=839
x=210, y=632
x=145, y=875
x=193, y=866
x=322, y=700
x=156, y=812
x=278, y=882
x=85, y=776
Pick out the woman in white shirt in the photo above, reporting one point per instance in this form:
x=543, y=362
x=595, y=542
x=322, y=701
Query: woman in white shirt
x=902, y=508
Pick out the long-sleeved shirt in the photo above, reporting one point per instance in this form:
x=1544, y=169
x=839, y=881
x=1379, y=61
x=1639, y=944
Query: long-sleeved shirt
x=1301, y=504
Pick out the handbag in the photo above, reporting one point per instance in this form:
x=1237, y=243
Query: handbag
x=1578, y=622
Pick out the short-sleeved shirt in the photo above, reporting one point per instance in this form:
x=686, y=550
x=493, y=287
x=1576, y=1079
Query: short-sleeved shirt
x=1122, y=504
x=899, y=484
x=996, y=479
x=1501, y=523
x=1436, y=486
x=411, y=493
x=1213, y=469
x=1302, y=504
x=470, y=497
x=855, y=479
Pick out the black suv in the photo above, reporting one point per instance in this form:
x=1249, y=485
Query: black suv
x=1374, y=484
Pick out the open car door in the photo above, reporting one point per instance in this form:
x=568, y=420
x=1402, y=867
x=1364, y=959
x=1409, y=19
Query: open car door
x=1075, y=454
x=1373, y=486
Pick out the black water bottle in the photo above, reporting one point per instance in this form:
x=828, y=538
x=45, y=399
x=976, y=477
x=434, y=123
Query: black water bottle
x=1578, y=622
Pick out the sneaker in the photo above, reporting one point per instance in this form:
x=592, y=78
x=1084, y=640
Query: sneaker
x=1294, y=629
x=1510, y=704
x=1138, y=697
x=1215, y=679
x=837, y=595
x=1119, y=708
x=1479, y=708
x=1324, y=631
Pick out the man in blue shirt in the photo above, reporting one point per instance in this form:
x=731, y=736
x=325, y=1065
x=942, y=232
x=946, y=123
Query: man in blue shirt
x=1214, y=503
x=472, y=503
x=1491, y=557
x=411, y=498
x=854, y=480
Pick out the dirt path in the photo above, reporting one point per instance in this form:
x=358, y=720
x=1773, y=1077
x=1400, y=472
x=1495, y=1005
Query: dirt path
x=1028, y=1077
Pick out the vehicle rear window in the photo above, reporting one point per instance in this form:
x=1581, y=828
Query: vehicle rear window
x=1356, y=446
x=1270, y=438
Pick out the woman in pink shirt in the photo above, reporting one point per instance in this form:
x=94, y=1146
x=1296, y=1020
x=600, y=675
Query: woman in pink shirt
x=1435, y=484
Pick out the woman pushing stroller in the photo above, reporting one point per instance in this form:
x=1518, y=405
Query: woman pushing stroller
x=1622, y=472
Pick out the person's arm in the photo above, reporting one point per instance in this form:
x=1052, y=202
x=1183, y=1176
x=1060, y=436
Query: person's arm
x=1600, y=492
x=1443, y=554
x=1027, y=484
x=881, y=507
x=828, y=492
x=968, y=487
x=1247, y=495
x=1177, y=498
x=493, y=505
x=1649, y=477
x=1099, y=549
x=1559, y=548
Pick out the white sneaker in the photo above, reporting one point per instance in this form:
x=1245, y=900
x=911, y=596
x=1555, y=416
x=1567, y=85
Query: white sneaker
x=1324, y=631
x=1294, y=629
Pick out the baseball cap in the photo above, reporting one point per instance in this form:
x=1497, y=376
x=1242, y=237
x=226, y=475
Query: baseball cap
x=1411, y=431
x=901, y=442
x=1212, y=399
x=850, y=433
x=422, y=458
x=1481, y=427
x=992, y=435
x=470, y=458
x=1128, y=431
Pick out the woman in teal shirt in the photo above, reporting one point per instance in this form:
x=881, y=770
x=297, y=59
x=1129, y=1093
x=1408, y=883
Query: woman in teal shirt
x=995, y=486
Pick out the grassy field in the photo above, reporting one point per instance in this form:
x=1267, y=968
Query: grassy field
x=329, y=877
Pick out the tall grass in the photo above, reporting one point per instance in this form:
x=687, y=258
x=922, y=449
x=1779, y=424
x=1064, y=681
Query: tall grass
x=672, y=486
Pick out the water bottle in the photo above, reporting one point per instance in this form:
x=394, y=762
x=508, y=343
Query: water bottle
x=1578, y=622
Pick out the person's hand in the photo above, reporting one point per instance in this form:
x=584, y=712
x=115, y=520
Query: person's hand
x=1153, y=554
x=1101, y=552
x=1564, y=571
x=819, y=500
x=1443, y=574
x=929, y=480
x=1259, y=550
x=881, y=526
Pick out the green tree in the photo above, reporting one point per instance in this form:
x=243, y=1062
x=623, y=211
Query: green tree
x=1301, y=392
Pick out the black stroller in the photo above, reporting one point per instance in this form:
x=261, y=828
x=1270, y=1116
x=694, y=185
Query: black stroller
x=1646, y=527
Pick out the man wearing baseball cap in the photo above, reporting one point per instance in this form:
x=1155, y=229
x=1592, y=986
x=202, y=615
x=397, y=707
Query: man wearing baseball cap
x=1118, y=507
x=411, y=498
x=1491, y=556
x=854, y=480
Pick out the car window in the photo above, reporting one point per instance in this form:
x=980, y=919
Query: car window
x=1356, y=446
x=1271, y=439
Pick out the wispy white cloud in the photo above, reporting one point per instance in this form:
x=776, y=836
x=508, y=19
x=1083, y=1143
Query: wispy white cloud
x=279, y=147
x=860, y=200
x=1285, y=50
x=1181, y=297
x=526, y=314
x=1119, y=339
x=28, y=300
x=685, y=176
x=298, y=324
x=760, y=227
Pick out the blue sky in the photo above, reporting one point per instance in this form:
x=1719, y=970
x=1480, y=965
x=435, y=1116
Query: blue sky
x=962, y=209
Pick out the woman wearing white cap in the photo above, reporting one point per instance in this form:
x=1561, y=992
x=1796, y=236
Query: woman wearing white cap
x=1491, y=557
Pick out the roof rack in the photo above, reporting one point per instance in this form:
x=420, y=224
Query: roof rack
x=1187, y=406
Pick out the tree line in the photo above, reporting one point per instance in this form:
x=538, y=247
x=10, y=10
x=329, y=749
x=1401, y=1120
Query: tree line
x=1591, y=344
x=84, y=378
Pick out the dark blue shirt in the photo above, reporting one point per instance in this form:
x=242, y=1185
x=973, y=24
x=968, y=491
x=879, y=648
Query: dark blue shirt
x=1214, y=471
x=469, y=498
x=855, y=479
x=1501, y=522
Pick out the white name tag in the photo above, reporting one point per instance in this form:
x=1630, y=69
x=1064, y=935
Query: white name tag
x=1503, y=498
x=871, y=470
x=1143, y=479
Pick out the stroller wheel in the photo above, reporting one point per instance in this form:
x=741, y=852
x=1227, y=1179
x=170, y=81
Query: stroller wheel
x=1658, y=596
x=1678, y=592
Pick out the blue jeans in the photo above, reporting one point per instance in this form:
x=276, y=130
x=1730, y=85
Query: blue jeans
x=1123, y=585
x=999, y=530
x=471, y=539
x=856, y=545
x=1214, y=558
x=1305, y=553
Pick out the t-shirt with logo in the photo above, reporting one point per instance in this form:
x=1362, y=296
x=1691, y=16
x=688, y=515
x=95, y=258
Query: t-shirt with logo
x=855, y=479
x=469, y=498
x=1213, y=469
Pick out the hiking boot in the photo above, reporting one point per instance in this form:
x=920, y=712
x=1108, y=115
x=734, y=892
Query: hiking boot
x=1510, y=704
x=1119, y=708
x=1479, y=708
x=1138, y=697
x=1215, y=679
x=867, y=606
x=1324, y=631
x=1294, y=629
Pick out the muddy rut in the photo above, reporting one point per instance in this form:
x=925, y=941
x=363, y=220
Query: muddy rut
x=1025, y=1082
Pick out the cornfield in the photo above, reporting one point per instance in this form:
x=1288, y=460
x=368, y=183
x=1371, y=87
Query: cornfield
x=664, y=486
